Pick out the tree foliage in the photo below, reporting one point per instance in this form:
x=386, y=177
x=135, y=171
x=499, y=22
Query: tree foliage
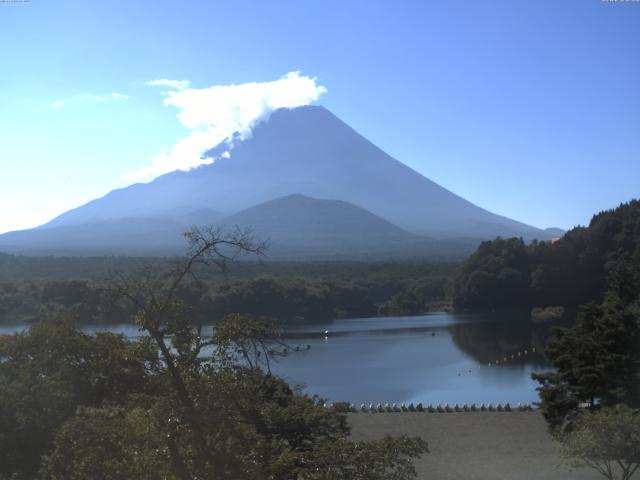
x=507, y=273
x=597, y=361
x=607, y=441
x=284, y=292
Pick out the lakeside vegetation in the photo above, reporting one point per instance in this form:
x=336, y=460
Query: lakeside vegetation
x=283, y=291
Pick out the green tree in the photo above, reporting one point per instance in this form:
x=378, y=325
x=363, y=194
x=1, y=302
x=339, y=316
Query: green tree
x=108, y=443
x=47, y=372
x=598, y=359
x=607, y=441
x=595, y=362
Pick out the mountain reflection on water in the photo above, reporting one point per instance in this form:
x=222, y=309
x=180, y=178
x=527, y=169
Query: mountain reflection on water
x=433, y=358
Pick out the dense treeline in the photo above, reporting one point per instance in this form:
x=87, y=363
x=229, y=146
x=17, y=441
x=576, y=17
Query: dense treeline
x=14, y=268
x=290, y=292
x=507, y=273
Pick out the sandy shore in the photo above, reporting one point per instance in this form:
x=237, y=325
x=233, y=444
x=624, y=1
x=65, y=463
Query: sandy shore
x=475, y=446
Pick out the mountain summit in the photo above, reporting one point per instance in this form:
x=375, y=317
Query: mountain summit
x=310, y=152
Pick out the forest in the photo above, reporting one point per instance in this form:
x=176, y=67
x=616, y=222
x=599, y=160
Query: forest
x=283, y=291
x=508, y=273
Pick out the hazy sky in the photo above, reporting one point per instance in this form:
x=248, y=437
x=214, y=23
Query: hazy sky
x=530, y=109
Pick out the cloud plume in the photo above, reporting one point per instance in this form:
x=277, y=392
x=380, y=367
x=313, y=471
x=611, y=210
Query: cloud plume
x=220, y=113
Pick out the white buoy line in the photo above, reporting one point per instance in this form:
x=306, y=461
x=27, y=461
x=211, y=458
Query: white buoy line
x=502, y=361
x=439, y=408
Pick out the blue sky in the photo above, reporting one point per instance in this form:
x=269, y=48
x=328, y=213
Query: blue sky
x=530, y=109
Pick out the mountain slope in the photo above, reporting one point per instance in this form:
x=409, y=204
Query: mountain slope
x=295, y=227
x=297, y=224
x=307, y=150
x=300, y=227
x=115, y=236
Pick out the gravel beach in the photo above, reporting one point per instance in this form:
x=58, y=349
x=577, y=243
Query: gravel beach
x=475, y=445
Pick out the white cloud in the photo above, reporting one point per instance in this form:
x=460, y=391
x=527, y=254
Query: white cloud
x=90, y=97
x=164, y=82
x=217, y=113
x=119, y=97
x=114, y=97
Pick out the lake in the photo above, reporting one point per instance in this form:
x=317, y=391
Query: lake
x=434, y=358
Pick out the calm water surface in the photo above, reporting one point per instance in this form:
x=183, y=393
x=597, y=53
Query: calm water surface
x=435, y=358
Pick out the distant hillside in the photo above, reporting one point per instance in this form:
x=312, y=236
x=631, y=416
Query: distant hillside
x=327, y=226
x=574, y=270
x=145, y=236
x=297, y=226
